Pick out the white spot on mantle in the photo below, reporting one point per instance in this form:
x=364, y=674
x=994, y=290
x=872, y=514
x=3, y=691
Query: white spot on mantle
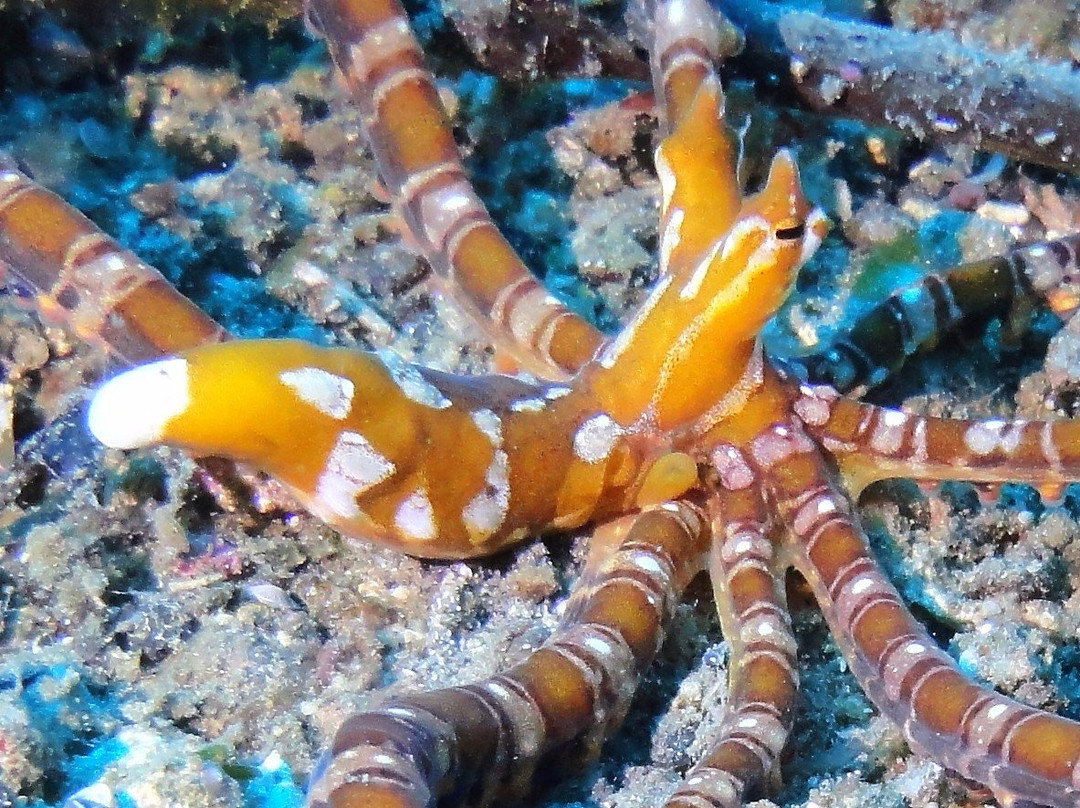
x=412, y=383
x=596, y=437
x=327, y=392
x=486, y=511
x=352, y=467
x=415, y=517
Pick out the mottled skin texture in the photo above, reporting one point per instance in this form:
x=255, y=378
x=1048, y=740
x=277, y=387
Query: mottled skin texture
x=718, y=459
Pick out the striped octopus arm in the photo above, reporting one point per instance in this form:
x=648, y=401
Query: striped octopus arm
x=486, y=743
x=743, y=760
x=79, y=276
x=381, y=64
x=874, y=443
x=1021, y=753
x=917, y=316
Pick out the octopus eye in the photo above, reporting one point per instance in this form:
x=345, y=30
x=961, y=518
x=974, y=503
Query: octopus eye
x=790, y=232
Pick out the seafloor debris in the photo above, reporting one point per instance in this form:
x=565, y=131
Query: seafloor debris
x=927, y=85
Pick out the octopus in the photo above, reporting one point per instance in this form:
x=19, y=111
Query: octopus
x=679, y=444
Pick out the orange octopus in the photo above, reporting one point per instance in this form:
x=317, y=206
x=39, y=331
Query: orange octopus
x=680, y=441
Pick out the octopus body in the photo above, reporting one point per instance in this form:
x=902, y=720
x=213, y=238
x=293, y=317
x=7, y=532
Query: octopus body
x=683, y=444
